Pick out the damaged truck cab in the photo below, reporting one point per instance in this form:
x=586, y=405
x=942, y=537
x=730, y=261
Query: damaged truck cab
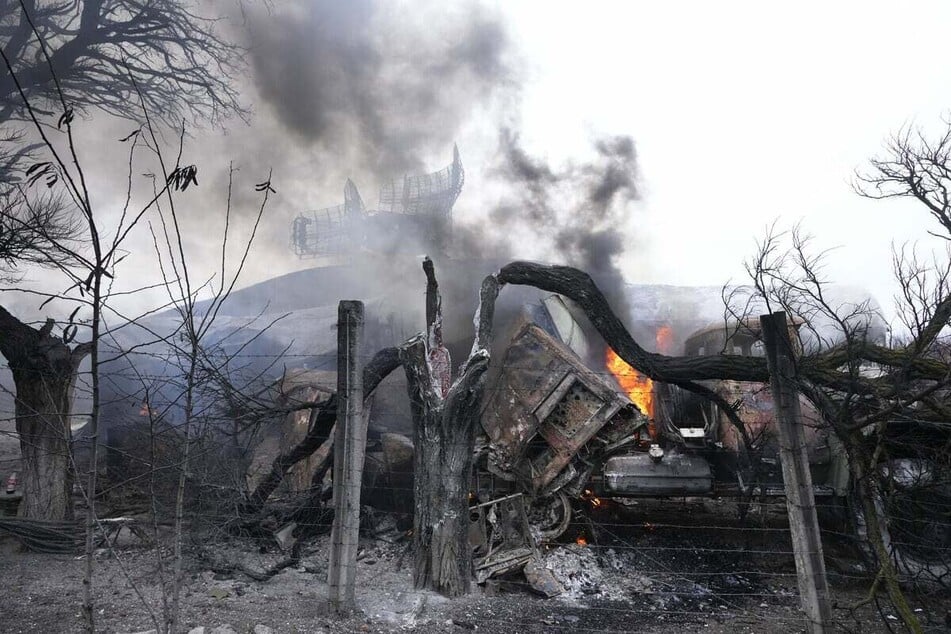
x=558, y=427
x=549, y=423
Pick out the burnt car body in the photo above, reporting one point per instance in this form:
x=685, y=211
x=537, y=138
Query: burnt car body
x=558, y=427
x=745, y=461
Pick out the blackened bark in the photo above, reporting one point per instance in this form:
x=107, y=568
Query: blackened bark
x=380, y=366
x=44, y=372
x=821, y=369
x=312, y=515
x=444, y=439
x=485, y=315
x=578, y=286
x=433, y=304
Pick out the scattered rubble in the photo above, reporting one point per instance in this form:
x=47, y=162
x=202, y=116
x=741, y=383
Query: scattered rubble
x=637, y=577
x=578, y=570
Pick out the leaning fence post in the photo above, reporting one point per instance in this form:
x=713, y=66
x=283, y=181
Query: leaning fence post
x=350, y=440
x=800, y=500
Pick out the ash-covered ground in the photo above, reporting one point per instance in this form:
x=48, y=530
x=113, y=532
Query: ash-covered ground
x=657, y=566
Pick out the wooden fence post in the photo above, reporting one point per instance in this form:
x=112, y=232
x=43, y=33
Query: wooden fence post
x=350, y=441
x=800, y=500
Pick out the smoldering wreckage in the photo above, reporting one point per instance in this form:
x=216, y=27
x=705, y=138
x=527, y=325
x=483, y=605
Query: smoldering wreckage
x=565, y=423
x=565, y=426
x=559, y=436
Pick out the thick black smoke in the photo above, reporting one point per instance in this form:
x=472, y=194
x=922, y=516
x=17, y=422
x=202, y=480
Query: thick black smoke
x=378, y=86
x=374, y=90
x=338, y=89
x=575, y=214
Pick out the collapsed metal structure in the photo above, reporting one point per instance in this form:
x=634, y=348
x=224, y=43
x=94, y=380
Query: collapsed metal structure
x=412, y=211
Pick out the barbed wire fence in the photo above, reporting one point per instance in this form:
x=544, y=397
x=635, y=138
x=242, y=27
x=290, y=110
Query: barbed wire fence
x=675, y=561
x=217, y=491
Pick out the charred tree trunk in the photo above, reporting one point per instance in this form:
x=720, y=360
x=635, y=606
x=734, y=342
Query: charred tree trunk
x=445, y=417
x=44, y=372
x=444, y=438
x=42, y=424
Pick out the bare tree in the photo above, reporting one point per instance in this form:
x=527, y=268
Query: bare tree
x=190, y=347
x=73, y=57
x=865, y=398
x=914, y=165
x=44, y=394
x=130, y=59
x=29, y=227
x=93, y=51
x=885, y=400
x=174, y=52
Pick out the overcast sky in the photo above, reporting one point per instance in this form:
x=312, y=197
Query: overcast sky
x=742, y=112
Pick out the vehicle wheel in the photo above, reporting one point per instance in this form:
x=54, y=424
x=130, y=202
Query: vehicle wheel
x=549, y=516
x=915, y=508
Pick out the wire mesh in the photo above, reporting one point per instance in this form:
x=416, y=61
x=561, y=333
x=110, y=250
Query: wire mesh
x=432, y=194
x=419, y=204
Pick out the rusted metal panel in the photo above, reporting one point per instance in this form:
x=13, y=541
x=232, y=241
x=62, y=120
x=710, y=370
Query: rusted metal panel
x=500, y=536
x=545, y=406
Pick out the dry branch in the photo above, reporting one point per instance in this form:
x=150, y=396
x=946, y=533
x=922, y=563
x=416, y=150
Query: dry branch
x=822, y=369
x=322, y=419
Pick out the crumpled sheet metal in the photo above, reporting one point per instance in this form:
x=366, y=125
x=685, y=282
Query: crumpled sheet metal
x=544, y=407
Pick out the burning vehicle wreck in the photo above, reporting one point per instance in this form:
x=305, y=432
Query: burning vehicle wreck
x=555, y=428
x=549, y=422
x=567, y=424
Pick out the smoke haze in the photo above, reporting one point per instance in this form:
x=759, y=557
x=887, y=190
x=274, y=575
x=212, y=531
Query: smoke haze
x=378, y=86
x=576, y=214
x=371, y=91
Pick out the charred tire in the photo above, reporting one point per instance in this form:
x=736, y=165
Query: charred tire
x=550, y=516
x=914, y=508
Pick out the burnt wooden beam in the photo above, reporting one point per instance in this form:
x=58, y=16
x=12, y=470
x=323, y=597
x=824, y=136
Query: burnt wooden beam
x=350, y=441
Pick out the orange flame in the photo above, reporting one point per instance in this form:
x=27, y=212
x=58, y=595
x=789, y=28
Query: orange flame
x=581, y=541
x=638, y=387
x=664, y=339
x=589, y=497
